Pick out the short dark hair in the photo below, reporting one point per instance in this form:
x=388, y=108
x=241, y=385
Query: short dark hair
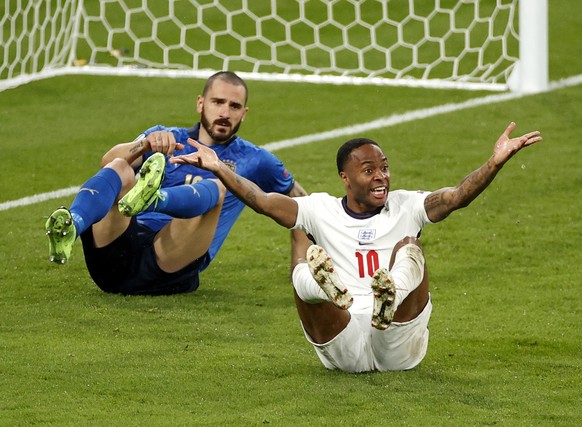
x=346, y=149
x=229, y=77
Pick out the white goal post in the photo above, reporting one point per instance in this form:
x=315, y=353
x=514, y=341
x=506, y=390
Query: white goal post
x=466, y=44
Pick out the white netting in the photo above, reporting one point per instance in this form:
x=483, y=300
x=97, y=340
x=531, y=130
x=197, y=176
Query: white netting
x=34, y=36
x=414, y=42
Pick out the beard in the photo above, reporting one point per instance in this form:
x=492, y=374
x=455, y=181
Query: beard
x=218, y=136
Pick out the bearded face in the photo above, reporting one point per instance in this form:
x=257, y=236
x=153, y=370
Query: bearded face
x=222, y=110
x=221, y=129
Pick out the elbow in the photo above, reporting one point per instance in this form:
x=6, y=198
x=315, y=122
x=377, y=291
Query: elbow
x=278, y=216
x=108, y=157
x=259, y=205
x=462, y=204
x=259, y=210
x=105, y=160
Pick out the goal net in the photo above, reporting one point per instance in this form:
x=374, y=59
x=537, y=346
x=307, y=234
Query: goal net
x=468, y=44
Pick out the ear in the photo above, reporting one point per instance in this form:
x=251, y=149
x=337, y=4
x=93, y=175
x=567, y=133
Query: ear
x=246, y=110
x=344, y=178
x=199, y=104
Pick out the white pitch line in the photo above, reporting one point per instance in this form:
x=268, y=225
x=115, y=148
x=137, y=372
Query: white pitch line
x=385, y=122
x=381, y=123
x=409, y=116
x=37, y=198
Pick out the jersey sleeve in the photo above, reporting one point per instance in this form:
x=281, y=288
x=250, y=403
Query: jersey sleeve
x=272, y=176
x=306, y=212
x=153, y=129
x=418, y=207
x=180, y=134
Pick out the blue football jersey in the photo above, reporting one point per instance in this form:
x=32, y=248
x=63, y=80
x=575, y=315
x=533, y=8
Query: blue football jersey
x=243, y=157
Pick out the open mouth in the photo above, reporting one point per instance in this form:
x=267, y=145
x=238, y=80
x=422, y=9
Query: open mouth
x=379, y=191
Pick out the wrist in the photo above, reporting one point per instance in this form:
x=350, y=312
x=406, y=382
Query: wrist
x=139, y=147
x=495, y=164
x=221, y=168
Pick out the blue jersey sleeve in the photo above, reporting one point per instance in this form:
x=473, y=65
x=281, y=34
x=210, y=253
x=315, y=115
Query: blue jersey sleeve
x=181, y=134
x=271, y=175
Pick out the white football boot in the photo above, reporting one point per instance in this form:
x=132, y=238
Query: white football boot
x=322, y=270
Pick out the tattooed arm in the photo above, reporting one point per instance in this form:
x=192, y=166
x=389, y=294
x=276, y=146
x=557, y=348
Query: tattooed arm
x=299, y=240
x=281, y=208
x=441, y=203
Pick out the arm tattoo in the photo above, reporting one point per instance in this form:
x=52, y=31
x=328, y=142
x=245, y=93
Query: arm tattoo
x=441, y=203
x=433, y=201
x=250, y=196
x=474, y=183
x=137, y=147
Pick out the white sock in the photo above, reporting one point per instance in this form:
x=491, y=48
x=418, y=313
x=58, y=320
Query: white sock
x=407, y=271
x=305, y=285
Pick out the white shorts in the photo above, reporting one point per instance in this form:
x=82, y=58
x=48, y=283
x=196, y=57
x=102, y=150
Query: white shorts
x=360, y=347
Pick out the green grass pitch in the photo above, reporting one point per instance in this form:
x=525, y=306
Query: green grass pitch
x=505, y=278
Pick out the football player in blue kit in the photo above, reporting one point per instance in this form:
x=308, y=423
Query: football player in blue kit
x=153, y=235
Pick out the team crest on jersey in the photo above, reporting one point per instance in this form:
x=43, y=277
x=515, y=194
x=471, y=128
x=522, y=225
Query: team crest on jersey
x=366, y=235
x=230, y=164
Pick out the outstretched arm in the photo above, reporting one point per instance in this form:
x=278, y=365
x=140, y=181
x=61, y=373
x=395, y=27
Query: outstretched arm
x=441, y=203
x=299, y=240
x=281, y=208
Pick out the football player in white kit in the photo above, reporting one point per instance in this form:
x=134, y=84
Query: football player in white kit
x=362, y=292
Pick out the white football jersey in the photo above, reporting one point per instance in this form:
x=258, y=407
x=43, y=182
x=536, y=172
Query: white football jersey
x=360, y=245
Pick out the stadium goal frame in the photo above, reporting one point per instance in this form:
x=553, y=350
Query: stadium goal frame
x=62, y=32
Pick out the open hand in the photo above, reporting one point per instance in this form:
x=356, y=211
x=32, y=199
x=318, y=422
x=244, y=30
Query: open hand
x=506, y=147
x=204, y=158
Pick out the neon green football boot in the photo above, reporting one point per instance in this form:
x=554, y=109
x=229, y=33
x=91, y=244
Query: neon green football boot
x=61, y=233
x=146, y=189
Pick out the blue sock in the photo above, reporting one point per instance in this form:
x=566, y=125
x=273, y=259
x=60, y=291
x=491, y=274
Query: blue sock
x=187, y=201
x=95, y=199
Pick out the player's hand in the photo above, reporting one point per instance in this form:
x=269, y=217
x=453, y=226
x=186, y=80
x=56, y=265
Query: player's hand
x=163, y=142
x=506, y=147
x=204, y=158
